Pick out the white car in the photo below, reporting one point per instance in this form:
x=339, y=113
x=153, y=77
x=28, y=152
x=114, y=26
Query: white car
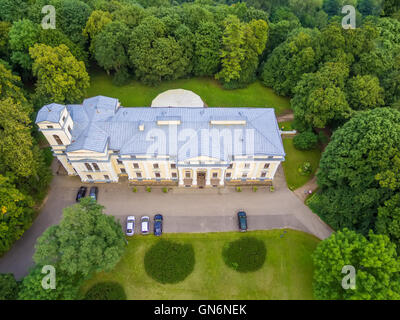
x=130, y=226
x=145, y=224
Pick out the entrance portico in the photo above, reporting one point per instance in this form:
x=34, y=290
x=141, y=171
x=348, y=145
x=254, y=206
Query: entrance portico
x=201, y=177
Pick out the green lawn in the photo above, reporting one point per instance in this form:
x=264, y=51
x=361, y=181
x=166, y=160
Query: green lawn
x=136, y=94
x=294, y=158
x=286, y=273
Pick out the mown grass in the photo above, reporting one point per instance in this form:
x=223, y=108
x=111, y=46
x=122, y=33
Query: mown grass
x=294, y=158
x=136, y=94
x=286, y=273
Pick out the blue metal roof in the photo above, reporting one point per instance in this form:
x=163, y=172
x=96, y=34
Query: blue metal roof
x=100, y=124
x=51, y=112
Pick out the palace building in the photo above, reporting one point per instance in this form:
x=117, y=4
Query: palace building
x=194, y=146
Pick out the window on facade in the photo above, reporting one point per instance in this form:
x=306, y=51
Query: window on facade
x=96, y=167
x=50, y=127
x=63, y=119
x=115, y=151
x=266, y=166
x=173, y=166
x=123, y=170
x=215, y=175
x=106, y=177
x=88, y=166
x=230, y=166
x=119, y=161
x=187, y=174
x=228, y=174
x=155, y=165
x=69, y=130
x=138, y=174
x=158, y=175
x=89, y=177
x=263, y=174
x=244, y=175
x=247, y=165
x=173, y=174
x=136, y=165
x=58, y=140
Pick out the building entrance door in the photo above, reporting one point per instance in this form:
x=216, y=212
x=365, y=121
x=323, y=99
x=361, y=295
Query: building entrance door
x=201, y=179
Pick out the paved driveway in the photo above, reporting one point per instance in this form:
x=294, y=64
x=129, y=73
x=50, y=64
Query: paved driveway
x=184, y=210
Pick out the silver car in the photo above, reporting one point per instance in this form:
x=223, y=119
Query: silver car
x=130, y=226
x=145, y=224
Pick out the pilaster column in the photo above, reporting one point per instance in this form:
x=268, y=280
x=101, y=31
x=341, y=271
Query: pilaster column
x=194, y=178
x=180, y=176
x=208, y=172
x=222, y=178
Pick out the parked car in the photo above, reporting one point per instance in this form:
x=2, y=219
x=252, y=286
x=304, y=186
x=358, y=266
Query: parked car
x=93, y=192
x=81, y=193
x=130, y=226
x=158, y=224
x=242, y=221
x=145, y=224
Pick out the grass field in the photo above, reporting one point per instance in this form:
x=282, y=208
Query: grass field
x=294, y=158
x=286, y=273
x=136, y=94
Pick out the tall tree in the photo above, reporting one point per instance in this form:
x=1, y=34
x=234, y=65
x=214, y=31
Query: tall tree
x=232, y=53
x=357, y=170
x=374, y=259
x=61, y=78
x=364, y=92
x=86, y=241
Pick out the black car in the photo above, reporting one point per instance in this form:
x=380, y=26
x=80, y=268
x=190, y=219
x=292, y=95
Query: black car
x=158, y=219
x=81, y=193
x=94, y=192
x=242, y=221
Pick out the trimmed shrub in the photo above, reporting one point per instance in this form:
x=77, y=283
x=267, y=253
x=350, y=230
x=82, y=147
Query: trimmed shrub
x=148, y=189
x=305, y=168
x=238, y=189
x=245, y=255
x=255, y=189
x=8, y=287
x=134, y=189
x=305, y=141
x=165, y=190
x=169, y=262
x=106, y=291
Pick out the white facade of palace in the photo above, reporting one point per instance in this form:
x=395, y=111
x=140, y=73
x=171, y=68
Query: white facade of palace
x=195, y=146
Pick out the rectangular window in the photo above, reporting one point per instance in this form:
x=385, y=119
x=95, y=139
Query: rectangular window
x=63, y=119
x=187, y=174
x=58, y=140
x=215, y=175
x=247, y=165
x=88, y=167
x=69, y=130
x=266, y=166
x=230, y=166
x=123, y=170
x=89, y=177
x=50, y=127
x=263, y=174
x=244, y=175
x=155, y=165
x=106, y=177
x=96, y=167
x=173, y=166
x=158, y=175
x=173, y=174
x=228, y=174
x=136, y=166
x=138, y=174
x=119, y=161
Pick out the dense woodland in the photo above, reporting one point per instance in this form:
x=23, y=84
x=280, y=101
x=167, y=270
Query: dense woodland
x=344, y=80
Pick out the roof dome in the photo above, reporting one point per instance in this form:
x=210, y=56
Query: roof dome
x=178, y=98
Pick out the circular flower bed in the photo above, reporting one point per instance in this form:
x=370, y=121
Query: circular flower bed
x=245, y=255
x=169, y=262
x=106, y=291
